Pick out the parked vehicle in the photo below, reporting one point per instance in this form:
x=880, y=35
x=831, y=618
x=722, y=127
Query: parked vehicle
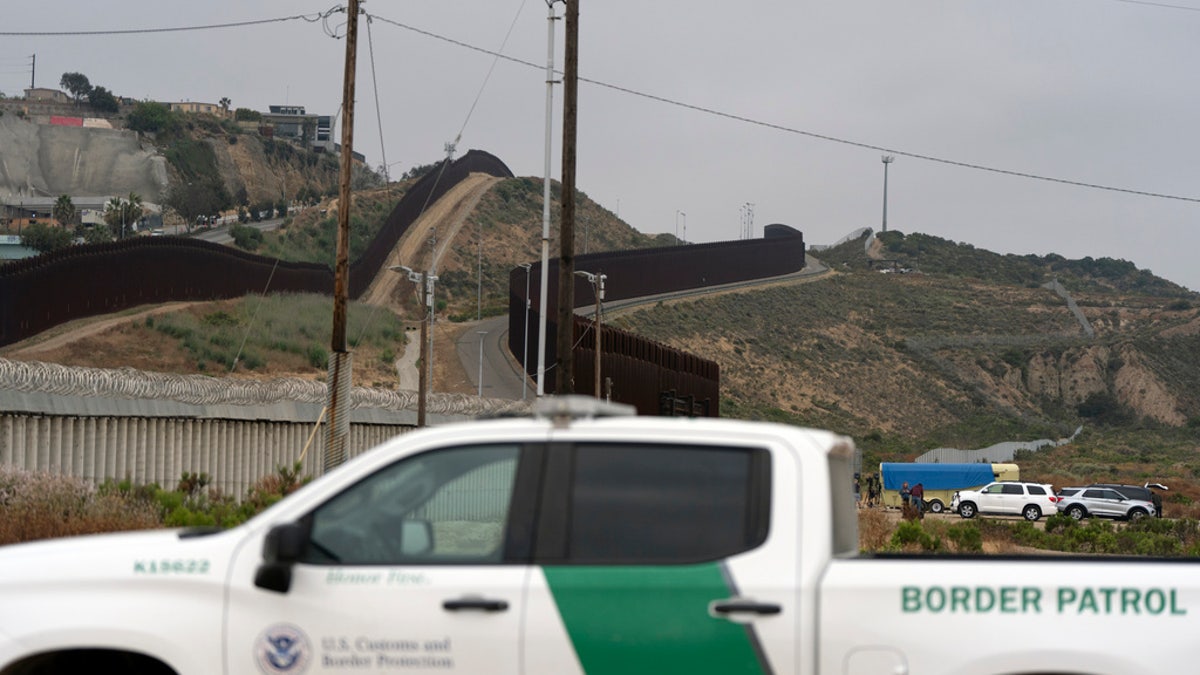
x=940, y=481
x=1028, y=500
x=583, y=540
x=1145, y=492
x=1081, y=502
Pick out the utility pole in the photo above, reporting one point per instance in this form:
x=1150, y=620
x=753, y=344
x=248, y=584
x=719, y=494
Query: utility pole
x=338, y=429
x=887, y=159
x=566, y=267
x=747, y=221
x=33, y=72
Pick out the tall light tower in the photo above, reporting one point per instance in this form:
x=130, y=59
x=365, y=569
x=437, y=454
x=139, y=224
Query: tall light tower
x=887, y=159
x=677, y=214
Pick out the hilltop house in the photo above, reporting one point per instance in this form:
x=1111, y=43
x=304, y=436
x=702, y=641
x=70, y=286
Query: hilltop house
x=46, y=94
x=195, y=107
x=292, y=122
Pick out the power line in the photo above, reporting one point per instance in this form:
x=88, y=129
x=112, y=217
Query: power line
x=176, y=29
x=324, y=16
x=1160, y=4
x=801, y=132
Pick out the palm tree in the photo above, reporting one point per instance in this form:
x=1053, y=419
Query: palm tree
x=134, y=211
x=120, y=214
x=64, y=210
x=225, y=105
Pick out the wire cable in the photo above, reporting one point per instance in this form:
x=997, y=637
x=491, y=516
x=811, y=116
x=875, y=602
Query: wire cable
x=1160, y=4
x=174, y=29
x=375, y=88
x=801, y=132
x=254, y=317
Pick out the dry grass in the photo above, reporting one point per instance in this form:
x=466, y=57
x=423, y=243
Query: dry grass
x=43, y=506
x=875, y=529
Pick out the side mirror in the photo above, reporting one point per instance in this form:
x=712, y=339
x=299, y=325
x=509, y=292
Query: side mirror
x=416, y=537
x=282, y=547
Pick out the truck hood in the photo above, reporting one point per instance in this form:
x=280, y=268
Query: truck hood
x=116, y=557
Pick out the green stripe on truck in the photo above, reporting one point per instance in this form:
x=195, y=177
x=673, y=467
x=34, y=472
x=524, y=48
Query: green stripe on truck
x=627, y=620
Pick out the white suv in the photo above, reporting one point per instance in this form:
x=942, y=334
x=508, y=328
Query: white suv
x=1029, y=500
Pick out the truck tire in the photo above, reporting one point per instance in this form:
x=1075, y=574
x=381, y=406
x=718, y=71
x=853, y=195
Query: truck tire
x=1031, y=512
x=1137, y=514
x=967, y=509
x=936, y=506
x=1077, y=512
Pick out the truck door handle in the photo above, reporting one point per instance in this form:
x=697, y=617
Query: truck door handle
x=482, y=604
x=745, y=606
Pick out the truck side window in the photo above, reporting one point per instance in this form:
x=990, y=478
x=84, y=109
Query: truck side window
x=656, y=504
x=444, y=506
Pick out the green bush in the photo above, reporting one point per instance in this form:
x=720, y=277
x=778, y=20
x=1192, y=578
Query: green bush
x=909, y=533
x=318, y=357
x=966, y=537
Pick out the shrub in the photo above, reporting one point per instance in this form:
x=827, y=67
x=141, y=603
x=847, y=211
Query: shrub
x=41, y=506
x=318, y=357
x=910, y=535
x=966, y=537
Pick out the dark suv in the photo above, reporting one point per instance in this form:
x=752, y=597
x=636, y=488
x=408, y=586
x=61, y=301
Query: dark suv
x=1145, y=493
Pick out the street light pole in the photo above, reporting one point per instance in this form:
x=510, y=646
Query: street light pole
x=481, y=334
x=597, y=282
x=525, y=348
x=677, y=214
x=887, y=159
x=479, y=277
x=426, y=280
x=545, y=281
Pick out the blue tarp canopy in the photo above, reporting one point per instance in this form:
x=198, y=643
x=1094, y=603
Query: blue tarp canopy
x=936, y=476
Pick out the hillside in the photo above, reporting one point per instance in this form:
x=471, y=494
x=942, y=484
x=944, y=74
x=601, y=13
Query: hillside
x=923, y=343
x=967, y=350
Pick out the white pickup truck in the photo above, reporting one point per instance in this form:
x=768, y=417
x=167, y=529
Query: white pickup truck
x=578, y=541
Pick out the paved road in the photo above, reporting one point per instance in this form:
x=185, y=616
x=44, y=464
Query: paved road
x=220, y=235
x=501, y=372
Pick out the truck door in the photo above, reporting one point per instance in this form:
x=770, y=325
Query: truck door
x=661, y=557
x=418, y=567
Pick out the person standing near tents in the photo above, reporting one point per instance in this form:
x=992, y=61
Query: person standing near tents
x=918, y=499
x=905, y=495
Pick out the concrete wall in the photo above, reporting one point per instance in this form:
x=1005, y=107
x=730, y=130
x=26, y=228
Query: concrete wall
x=235, y=453
x=100, y=424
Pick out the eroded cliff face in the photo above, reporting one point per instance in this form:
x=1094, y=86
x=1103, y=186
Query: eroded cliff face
x=246, y=164
x=45, y=160
x=1071, y=376
x=1123, y=372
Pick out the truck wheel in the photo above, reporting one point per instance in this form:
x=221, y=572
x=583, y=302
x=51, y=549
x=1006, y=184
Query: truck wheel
x=936, y=506
x=1077, y=512
x=1137, y=514
x=1032, y=512
x=966, y=510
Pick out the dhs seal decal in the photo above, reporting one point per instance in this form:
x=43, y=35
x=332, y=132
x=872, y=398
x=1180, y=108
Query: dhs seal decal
x=282, y=648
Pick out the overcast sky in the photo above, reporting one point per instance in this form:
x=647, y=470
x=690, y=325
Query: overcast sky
x=1088, y=91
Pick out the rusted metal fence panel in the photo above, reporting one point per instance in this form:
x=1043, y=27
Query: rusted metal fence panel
x=641, y=369
x=79, y=281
